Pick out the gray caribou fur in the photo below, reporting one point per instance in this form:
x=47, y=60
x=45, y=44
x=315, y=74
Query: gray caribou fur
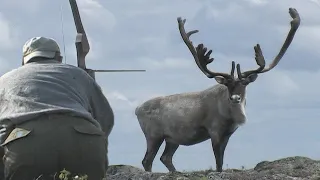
x=214, y=113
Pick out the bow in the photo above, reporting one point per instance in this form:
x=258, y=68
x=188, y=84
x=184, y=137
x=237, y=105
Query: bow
x=82, y=43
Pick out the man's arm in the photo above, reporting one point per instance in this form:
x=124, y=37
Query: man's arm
x=101, y=109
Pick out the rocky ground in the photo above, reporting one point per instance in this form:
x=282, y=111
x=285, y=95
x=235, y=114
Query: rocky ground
x=291, y=168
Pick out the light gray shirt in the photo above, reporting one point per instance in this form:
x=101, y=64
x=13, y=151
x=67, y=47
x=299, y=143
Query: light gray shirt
x=49, y=87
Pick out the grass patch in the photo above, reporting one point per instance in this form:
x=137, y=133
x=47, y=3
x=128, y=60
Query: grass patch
x=64, y=175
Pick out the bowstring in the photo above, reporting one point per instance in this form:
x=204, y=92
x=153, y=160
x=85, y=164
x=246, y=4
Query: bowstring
x=62, y=27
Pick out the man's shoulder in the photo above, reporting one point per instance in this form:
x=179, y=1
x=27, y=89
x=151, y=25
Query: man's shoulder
x=60, y=66
x=78, y=70
x=71, y=69
x=9, y=73
x=48, y=67
x=81, y=72
x=69, y=66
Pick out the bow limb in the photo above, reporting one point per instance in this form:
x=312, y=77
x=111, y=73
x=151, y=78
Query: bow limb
x=82, y=43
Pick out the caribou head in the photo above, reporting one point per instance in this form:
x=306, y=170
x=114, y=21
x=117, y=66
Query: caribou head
x=237, y=85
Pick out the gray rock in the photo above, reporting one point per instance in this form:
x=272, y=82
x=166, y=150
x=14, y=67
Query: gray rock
x=291, y=168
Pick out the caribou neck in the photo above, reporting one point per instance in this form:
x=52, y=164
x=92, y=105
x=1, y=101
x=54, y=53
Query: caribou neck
x=239, y=111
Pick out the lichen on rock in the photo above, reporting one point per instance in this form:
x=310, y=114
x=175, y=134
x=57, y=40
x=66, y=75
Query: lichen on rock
x=290, y=168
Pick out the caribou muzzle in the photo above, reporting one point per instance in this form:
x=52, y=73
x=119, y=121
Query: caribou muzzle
x=235, y=99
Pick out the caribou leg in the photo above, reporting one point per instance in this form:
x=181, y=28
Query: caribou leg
x=217, y=149
x=223, y=143
x=153, y=145
x=216, y=138
x=167, y=155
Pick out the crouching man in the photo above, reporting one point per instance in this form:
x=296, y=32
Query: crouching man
x=53, y=116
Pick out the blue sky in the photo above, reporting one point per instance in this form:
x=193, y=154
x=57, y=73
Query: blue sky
x=282, y=105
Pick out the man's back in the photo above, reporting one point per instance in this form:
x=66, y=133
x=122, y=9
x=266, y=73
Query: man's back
x=45, y=87
x=47, y=101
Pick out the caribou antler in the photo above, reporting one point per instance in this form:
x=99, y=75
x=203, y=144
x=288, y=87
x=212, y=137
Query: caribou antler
x=200, y=55
x=258, y=52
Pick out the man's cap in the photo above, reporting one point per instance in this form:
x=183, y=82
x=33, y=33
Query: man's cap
x=40, y=47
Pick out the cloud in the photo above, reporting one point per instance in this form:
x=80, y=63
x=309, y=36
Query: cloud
x=5, y=66
x=258, y=2
x=30, y=6
x=280, y=84
x=96, y=15
x=317, y=2
x=7, y=38
x=307, y=38
x=167, y=63
x=116, y=96
x=284, y=91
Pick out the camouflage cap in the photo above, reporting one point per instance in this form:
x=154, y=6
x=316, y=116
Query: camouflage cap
x=40, y=47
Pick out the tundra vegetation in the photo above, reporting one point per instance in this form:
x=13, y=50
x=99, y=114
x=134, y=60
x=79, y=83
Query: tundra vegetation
x=214, y=113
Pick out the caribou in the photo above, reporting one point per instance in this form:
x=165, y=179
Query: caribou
x=214, y=113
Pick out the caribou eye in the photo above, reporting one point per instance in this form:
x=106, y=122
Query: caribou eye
x=245, y=82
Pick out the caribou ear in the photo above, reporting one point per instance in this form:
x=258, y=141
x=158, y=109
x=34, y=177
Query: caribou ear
x=221, y=80
x=252, y=77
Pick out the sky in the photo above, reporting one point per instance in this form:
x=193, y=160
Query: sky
x=282, y=104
